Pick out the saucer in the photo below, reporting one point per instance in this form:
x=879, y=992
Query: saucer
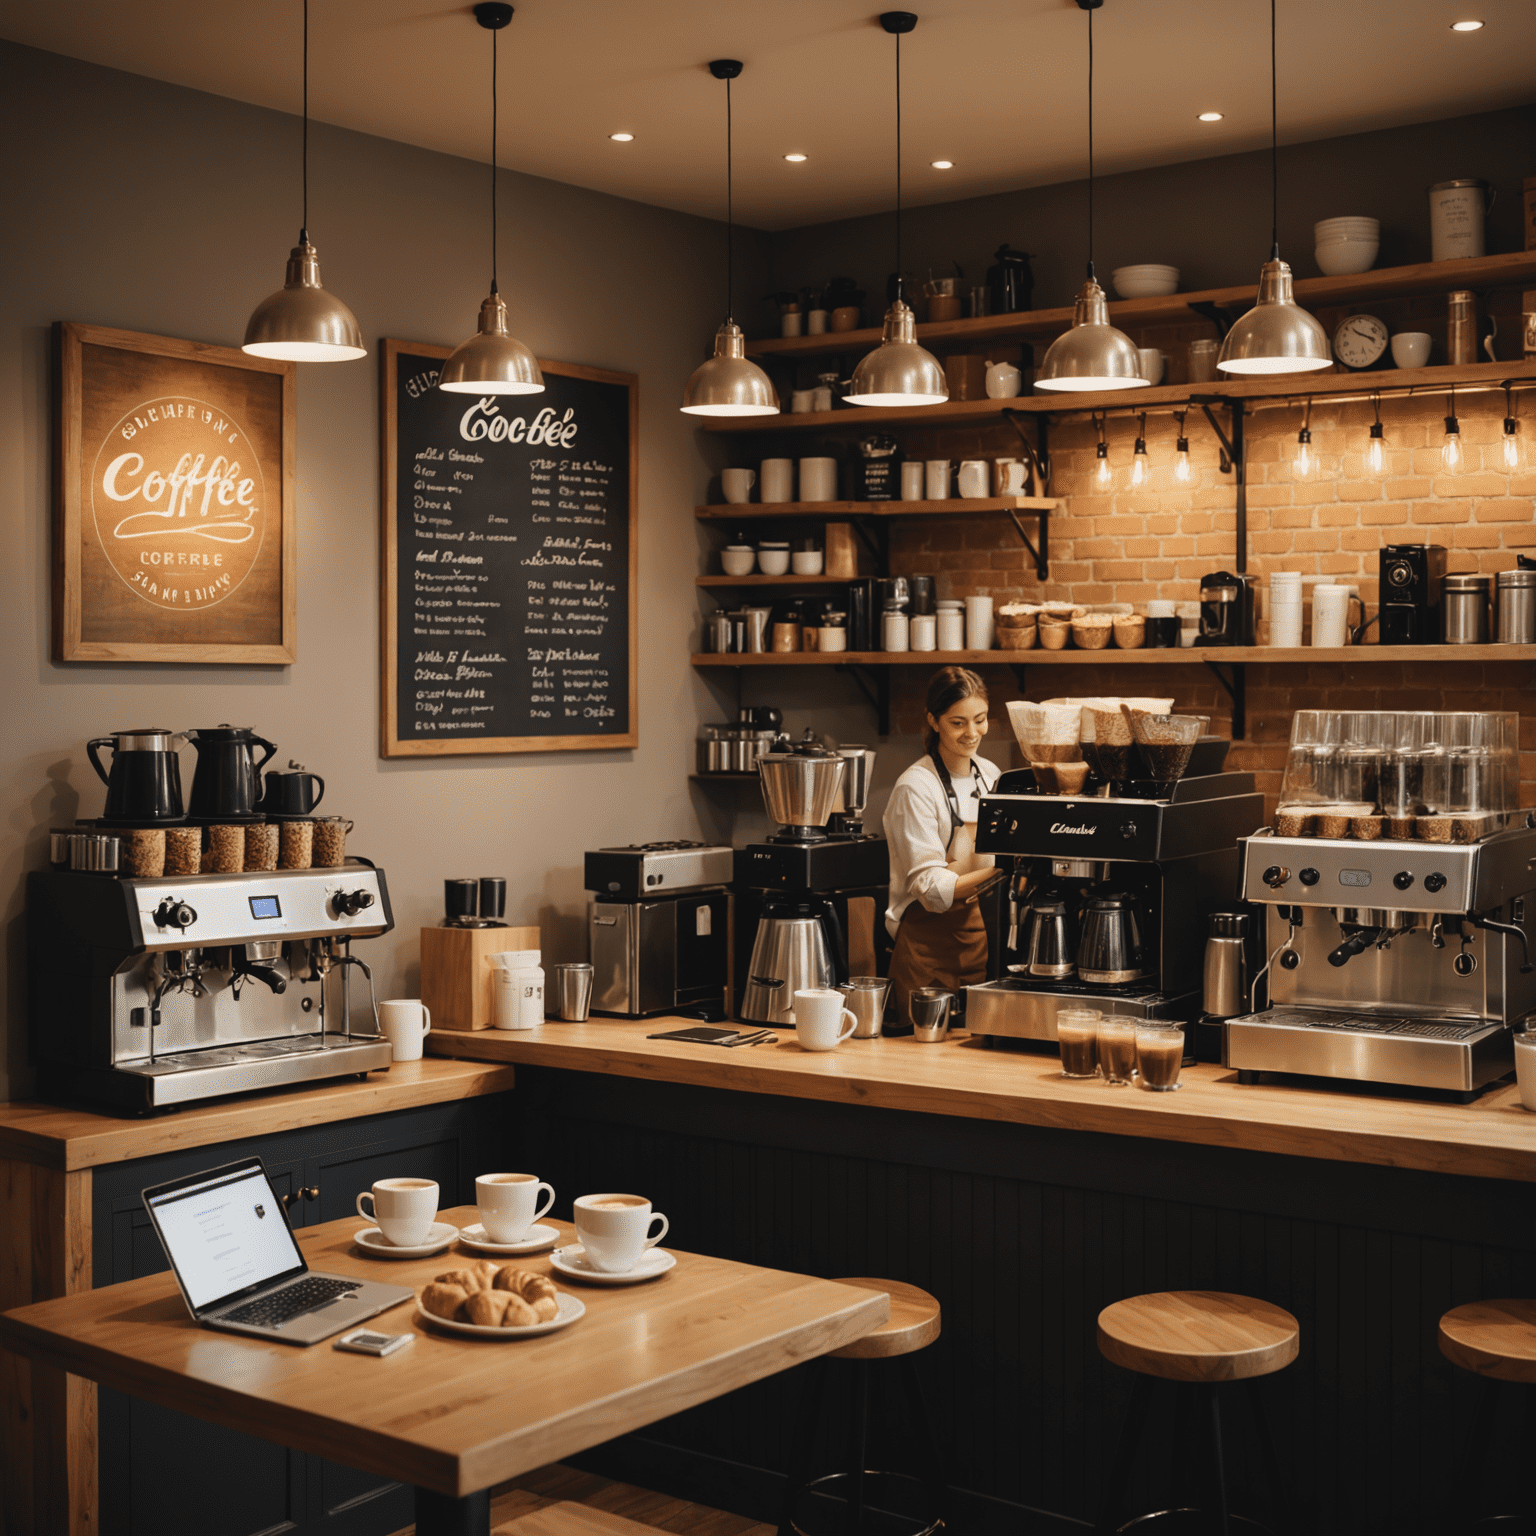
x=372, y=1240
x=572, y=1262
x=571, y=1307
x=538, y=1239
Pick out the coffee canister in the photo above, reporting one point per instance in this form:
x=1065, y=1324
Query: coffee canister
x=1464, y=608
x=1457, y=210
x=1517, y=607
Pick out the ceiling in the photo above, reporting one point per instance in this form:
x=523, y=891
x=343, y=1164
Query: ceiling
x=997, y=86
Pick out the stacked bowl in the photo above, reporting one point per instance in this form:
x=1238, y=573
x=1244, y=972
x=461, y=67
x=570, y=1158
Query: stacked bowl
x=1148, y=281
x=1346, y=245
x=1285, y=609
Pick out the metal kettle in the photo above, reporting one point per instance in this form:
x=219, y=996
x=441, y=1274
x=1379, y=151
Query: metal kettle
x=799, y=944
x=228, y=773
x=1111, y=950
x=145, y=780
x=1049, y=937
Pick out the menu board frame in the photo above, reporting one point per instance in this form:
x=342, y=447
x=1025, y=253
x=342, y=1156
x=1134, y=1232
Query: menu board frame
x=134, y=581
x=391, y=744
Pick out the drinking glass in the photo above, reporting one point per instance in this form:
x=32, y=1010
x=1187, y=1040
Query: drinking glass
x=1076, y=1033
x=1159, y=1056
x=1117, y=1049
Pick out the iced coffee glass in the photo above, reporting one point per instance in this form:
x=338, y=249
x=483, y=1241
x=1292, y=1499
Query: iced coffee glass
x=1076, y=1033
x=1117, y=1049
x=1159, y=1055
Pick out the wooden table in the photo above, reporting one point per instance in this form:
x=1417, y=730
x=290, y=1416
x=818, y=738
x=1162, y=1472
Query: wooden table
x=455, y=1415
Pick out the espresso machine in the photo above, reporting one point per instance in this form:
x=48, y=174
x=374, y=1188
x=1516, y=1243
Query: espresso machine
x=810, y=899
x=153, y=993
x=1398, y=923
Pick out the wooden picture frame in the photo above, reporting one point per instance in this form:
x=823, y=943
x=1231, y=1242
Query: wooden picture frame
x=392, y=742
x=174, y=522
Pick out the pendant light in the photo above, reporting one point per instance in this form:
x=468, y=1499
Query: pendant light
x=729, y=383
x=1277, y=335
x=1511, y=450
x=1140, y=463
x=1376, y=448
x=301, y=322
x=899, y=371
x=1093, y=354
x=1183, y=473
x=492, y=361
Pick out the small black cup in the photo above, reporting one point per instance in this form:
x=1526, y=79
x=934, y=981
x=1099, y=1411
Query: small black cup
x=461, y=898
x=1163, y=632
x=291, y=793
x=493, y=896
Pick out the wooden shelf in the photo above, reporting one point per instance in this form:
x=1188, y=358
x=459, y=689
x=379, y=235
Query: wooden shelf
x=1110, y=657
x=1292, y=386
x=1505, y=270
x=733, y=511
x=773, y=581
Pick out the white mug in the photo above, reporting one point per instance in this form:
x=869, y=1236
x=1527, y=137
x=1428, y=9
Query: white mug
x=778, y=482
x=406, y=1022
x=936, y=478
x=818, y=479
x=1330, y=615
x=802, y=402
x=912, y=478
x=1151, y=362
x=974, y=479
x=980, y=625
x=737, y=485
x=821, y=1021
x=1410, y=349
x=403, y=1209
x=509, y=1204
x=616, y=1229
x=1011, y=476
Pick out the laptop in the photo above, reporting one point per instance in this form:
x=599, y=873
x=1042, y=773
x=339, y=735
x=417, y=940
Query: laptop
x=227, y=1236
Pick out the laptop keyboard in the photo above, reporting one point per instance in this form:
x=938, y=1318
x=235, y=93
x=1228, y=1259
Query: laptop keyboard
x=285, y=1305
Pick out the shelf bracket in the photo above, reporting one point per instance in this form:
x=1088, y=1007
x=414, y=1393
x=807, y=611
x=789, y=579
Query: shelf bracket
x=1236, y=688
x=1020, y=675
x=1038, y=452
x=1217, y=314
x=1042, y=555
x=875, y=684
x=1234, y=460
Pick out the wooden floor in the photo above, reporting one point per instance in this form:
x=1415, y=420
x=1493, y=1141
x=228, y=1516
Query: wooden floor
x=552, y=1485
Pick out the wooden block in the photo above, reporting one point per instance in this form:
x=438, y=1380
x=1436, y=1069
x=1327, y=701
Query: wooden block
x=456, y=971
x=843, y=546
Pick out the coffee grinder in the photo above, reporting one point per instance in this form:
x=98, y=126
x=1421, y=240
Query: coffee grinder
x=1410, y=594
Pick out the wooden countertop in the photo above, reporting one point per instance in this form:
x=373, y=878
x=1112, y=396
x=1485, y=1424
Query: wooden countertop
x=80, y=1138
x=1493, y=1138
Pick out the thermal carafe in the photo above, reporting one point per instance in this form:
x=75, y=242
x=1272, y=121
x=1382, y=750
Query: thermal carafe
x=228, y=772
x=1226, y=965
x=796, y=947
x=144, y=783
x=1111, y=951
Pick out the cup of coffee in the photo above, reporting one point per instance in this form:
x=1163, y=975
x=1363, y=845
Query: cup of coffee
x=821, y=1020
x=1077, y=1032
x=616, y=1229
x=403, y=1209
x=509, y=1204
x=1159, y=1056
x=1116, y=1044
x=406, y=1022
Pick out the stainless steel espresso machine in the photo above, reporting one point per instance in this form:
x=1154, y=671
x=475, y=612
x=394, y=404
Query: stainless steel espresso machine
x=150, y=993
x=1399, y=886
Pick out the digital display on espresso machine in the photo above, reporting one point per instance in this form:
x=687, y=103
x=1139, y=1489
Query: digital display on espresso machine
x=265, y=906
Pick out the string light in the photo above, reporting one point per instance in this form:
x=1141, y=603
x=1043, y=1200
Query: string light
x=1103, y=475
x=1511, y=427
x=1306, y=459
x=1450, y=454
x=1183, y=474
x=1139, y=463
x=1376, y=453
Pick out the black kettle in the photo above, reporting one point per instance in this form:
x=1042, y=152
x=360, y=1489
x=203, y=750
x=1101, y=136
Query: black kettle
x=145, y=780
x=228, y=772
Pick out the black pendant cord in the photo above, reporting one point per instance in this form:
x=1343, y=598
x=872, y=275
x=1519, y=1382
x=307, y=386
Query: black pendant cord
x=304, y=221
x=900, y=283
x=1090, y=144
x=730, y=215
x=495, y=37
x=1274, y=144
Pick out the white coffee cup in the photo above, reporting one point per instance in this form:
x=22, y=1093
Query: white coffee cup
x=1410, y=349
x=737, y=485
x=821, y=1021
x=818, y=480
x=406, y=1022
x=616, y=1229
x=1011, y=477
x=1330, y=615
x=778, y=480
x=509, y=1204
x=1151, y=362
x=975, y=479
x=936, y=479
x=912, y=476
x=403, y=1209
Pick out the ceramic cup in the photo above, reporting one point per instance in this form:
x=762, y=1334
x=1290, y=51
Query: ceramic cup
x=737, y=485
x=912, y=478
x=1151, y=363
x=1010, y=477
x=1410, y=349
x=778, y=480
x=802, y=402
x=975, y=478
x=403, y=1209
x=821, y=1021
x=509, y=1204
x=936, y=479
x=616, y=1229
x=818, y=480
x=406, y=1022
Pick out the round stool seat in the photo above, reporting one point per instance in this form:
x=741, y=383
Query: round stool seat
x=1198, y=1336
x=1492, y=1338
x=913, y=1324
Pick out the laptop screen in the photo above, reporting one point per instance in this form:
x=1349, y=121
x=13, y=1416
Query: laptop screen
x=224, y=1232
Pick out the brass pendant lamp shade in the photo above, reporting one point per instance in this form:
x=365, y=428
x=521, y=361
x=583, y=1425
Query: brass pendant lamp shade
x=1093, y=354
x=1277, y=335
x=729, y=383
x=492, y=361
x=899, y=371
x=301, y=322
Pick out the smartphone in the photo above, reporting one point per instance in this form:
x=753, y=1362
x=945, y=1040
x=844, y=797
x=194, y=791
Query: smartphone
x=699, y=1034
x=364, y=1341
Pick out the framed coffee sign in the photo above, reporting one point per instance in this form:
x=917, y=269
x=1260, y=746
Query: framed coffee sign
x=173, y=501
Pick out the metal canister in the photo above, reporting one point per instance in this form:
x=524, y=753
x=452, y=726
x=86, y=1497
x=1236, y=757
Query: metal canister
x=1464, y=608
x=1461, y=326
x=1226, y=965
x=1517, y=607
x=96, y=852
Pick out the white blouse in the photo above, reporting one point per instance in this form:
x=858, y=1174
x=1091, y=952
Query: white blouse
x=917, y=826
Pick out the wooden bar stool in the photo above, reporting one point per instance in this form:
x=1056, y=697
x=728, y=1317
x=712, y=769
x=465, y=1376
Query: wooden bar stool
x=1495, y=1340
x=1202, y=1341
x=914, y=1324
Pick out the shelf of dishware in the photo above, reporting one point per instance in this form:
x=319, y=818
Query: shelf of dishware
x=1159, y=656
x=1175, y=308
x=759, y=580
x=729, y=512
x=1293, y=386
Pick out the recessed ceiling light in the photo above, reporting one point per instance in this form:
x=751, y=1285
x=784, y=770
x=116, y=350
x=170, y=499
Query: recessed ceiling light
x=1211, y=117
x=622, y=138
x=942, y=165
x=796, y=159
x=1466, y=26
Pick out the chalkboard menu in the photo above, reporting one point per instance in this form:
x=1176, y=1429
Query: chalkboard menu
x=509, y=562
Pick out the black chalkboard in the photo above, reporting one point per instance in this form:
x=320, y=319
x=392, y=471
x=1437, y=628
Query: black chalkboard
x=509, y=537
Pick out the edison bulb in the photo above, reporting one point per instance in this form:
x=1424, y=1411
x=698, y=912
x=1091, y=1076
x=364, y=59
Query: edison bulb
x=1139, y=471
x=1306, y=460
x=1511, y=447
x=1376, y=453
x=1103, y=475
x=1183, y=471
x=1450, y=454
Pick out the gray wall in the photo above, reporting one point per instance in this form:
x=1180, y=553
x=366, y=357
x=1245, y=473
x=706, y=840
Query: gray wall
x=136, y=204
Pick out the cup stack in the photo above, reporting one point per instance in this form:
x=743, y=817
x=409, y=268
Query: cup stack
x=1330, y=615
x=1285, y=608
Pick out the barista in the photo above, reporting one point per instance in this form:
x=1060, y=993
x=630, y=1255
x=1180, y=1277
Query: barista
x=930, y=824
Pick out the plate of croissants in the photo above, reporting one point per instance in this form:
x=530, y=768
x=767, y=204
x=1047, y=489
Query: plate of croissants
x=497, y=1301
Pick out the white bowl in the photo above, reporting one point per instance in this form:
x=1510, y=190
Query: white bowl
x=738, y=562
x=1410, y=349
x=806, y=562
x=773, y=562
x=1147, y=281
x=1341, y=257
x=1347, y=227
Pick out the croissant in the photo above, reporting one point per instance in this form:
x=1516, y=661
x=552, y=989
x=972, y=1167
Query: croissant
x=443, y=1300
x=471, y=1280
x=499, y=1309
x=536, y=1290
